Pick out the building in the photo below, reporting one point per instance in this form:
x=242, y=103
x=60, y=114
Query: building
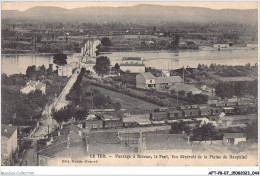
x=103, y=143
x=221, y=45
x=65, y=70
x=174, y=115
x=132, y=65
x=163, y=143
x=8, y=144
x=145, y=81
x=92, y=122
x=229, y=110
x=215, y=110
x=31, y=86
x=111, y=122
x=158, y=115
x=190, y=113
x=233, y=138
x=66, y=143
x=204, y=111
x=167, y=82
x=187, y=88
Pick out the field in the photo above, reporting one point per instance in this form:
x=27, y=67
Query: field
x=134, y=105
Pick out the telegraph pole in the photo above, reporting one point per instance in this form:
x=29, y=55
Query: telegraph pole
x=183, y=74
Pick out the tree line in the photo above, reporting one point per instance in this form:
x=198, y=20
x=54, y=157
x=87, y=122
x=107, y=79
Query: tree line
x=239, y=89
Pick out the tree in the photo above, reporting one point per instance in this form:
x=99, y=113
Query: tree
x=106, y=41
x=42, y=68
x=60, y=59
x=179, y=127
x=81, y=113
x=117, y=106
x=181, y=93
x=199, y=67
x=205, y=132
x=117, y=67
x=102, y=66
x=50, y=69
x=30, y=71
x=61, y=115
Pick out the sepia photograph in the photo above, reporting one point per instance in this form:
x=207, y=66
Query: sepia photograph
x=118, y=83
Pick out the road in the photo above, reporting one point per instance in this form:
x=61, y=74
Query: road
x=61, y=101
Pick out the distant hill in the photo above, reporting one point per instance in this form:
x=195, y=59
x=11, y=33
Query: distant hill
x=135, y=14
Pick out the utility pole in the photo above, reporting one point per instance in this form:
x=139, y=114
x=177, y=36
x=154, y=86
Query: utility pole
x=177, y=98
x=183, y=74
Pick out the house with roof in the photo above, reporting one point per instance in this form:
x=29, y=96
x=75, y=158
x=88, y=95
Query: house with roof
x=145, y=80
x=163, y=143
x=65, y=143
x=187, y=88
x=132, y=65
x=31, y=86
x=8, y=144
x=163, y=83
x=233, y=138
x=103, y=142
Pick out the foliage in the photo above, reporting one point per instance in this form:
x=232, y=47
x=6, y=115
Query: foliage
x=60, y=59
x=181, y=93
x=204, y=132
x=30, y=71
x=50, y=69
x=106, y=41
x=241, y=88
x=102, y=66
x=20, y=109
x=177, y=128
x=117, y=67
x=197, y=98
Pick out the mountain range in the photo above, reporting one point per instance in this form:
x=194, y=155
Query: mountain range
x=134, y=14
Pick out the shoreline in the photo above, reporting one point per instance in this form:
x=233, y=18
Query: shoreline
x=145, y=51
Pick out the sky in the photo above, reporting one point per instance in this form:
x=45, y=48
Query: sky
x=24, y=5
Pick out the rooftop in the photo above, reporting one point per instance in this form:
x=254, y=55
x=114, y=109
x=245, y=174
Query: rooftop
x=69, y=143
x=235, y=135
x=132, y=64
x=184, y=87
x=168, y=80
x=7, y=131
x=103, y=142
x=148, y=75
x=132, y=58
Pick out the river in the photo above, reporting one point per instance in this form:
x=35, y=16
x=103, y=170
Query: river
x=15, y=64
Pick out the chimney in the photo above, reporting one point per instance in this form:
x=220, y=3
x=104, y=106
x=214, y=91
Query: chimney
x=188, y=139
x=61, y=127
x=50, y=141
x=80, y=133
x=58, y=132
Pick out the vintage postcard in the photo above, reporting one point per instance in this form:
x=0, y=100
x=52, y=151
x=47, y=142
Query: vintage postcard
x=129, y=83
